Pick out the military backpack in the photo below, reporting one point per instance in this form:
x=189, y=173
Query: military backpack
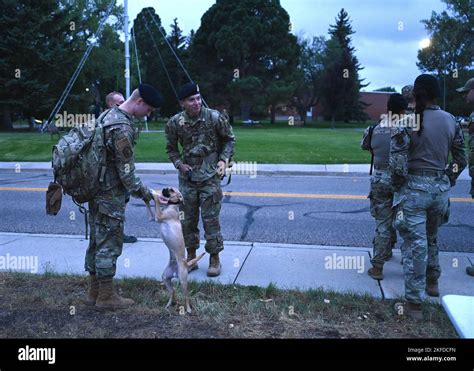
x=79, y=160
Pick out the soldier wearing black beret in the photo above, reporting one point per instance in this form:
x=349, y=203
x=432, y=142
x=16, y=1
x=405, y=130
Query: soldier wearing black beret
x=207, y=141
x=107, y=209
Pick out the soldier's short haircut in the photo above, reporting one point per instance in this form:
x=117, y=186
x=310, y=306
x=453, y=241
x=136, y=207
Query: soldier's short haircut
x=135, y=95
x=110, y=97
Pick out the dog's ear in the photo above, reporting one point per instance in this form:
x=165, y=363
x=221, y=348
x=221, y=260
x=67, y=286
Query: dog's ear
x=166, y=192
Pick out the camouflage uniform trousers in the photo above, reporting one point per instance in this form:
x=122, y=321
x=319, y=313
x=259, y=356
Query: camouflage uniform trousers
x=422, y=206
x=381, y=199
x=106, y=221
x=206, y=196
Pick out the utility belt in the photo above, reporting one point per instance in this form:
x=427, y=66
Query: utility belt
x=432, y=173
x=381, y=167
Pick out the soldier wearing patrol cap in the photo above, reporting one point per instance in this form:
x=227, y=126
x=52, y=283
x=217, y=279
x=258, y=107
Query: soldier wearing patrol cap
x=468, y=90
x=107, y=209
x=422, y=177
x=207, y=142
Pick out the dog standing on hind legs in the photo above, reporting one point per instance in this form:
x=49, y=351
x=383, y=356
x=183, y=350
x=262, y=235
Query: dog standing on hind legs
x=172, y=235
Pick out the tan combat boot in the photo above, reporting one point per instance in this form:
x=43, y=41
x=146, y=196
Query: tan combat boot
x=191, y=256
x=409, y=309
x=376, y=273
x=93, y=290
x=108, y=299
x=214, y=266
x=432, y=288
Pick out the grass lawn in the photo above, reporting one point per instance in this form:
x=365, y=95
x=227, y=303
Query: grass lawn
x=50, y=306
x=277, y=144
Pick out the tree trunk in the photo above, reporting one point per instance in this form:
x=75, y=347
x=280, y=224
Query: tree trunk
x=6, y=119
x=302, y=113
x=245, y=108
x=272, y=114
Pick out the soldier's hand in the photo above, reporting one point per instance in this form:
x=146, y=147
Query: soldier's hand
x=184, y=168
x=221, y=168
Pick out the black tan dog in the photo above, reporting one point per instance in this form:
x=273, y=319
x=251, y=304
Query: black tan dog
x=172, y=236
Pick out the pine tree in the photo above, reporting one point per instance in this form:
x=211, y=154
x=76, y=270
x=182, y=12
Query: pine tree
x=341, y=83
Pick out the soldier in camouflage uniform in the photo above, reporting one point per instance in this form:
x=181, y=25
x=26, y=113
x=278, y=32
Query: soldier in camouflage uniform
x=468, y=90
x=207, y=142
x=422, y=178
x=107, y=209
x=113, y=99
x=377, y=140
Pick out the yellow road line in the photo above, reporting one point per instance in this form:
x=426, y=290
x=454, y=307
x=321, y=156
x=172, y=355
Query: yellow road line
x=295, y=195
x=263, y=194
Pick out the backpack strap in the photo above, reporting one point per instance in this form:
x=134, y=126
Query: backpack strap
x=371, y=131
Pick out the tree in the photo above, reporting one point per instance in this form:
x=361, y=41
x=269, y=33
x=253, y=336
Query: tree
x=451, y=51
x=159, y=65
x=340, y=83
x=310, y=71
x=40, y=48
x=242, y=46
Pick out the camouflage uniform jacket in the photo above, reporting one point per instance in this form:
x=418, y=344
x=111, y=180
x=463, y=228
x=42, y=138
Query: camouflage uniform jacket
x=120, y=175
x=204, y=140
x=401, y=140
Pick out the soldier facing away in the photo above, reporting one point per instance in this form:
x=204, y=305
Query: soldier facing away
x=207, y=141
x=422, y=178
x=107, y=209
x=377, y=140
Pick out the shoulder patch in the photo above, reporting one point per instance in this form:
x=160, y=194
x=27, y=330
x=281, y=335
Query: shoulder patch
x=125, y=148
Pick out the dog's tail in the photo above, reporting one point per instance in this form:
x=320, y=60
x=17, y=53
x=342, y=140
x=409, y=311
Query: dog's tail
x=195, y=260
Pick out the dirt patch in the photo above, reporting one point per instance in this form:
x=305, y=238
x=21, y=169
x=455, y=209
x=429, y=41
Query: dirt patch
x=50, y=306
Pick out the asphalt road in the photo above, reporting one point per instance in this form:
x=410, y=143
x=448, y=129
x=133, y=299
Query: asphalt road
x=322, y=210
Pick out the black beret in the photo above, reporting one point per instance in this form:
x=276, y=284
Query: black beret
x=429, y=83
x=397, y=103
x=150, y=95
x=188, y=90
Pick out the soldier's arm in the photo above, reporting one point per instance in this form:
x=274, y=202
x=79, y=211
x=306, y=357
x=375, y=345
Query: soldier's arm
x=123, y=145
x=172, y=148
x=226, y=135
x=365, y=142
x=459, y=157
x=398, y=164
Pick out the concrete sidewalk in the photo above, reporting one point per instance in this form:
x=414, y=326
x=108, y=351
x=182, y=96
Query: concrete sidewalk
x=337, y=268
x=262, y=169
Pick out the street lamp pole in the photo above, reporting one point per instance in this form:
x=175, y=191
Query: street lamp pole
x=127, y=52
